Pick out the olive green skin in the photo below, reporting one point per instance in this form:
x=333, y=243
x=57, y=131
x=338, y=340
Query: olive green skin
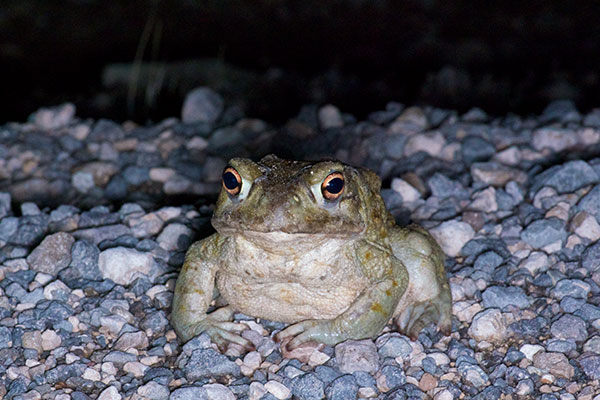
x=335, y=269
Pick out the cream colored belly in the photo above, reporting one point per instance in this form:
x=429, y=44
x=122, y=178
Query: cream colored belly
x=288, y=301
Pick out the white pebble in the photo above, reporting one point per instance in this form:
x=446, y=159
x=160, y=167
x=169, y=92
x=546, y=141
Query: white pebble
x=452, y=236
x=406, y=190
x=278, y=390
x=489, y=326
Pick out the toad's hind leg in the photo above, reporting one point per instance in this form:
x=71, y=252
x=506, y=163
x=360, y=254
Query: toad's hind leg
x=428, y=297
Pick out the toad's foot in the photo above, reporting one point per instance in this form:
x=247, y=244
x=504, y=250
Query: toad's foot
x=417, y=316
x=221, y=330
x=310, y=330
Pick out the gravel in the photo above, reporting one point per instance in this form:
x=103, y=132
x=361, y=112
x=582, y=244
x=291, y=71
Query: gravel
x=95, y=217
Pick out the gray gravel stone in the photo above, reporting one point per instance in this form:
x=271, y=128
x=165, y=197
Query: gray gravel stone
x=53, y=254
x=205, y=363
x=475, y=148
x=394, y=346
x=473, y=374
x=5, y=337
x=441, y=186
x=543, y=232
x=569, y=327
x=390, y=377
x=84, y=262
x=591, y=202
x=202, y=105
x=590, y=259
x=343, y=388
x=571, y=287
x=500, y=297
x=189, y=393
x=488, y=261
x=64, y=371
x=590, y=363
x=4, y=204
x=566, y=178
x=307, y=387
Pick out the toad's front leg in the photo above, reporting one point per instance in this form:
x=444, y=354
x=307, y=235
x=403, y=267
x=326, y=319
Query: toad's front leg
x=194, y=292
x=366, y=316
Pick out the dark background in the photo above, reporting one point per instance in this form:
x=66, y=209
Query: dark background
x=136, y=59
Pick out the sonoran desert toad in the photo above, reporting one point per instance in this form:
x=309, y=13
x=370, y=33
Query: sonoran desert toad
x=310, y=244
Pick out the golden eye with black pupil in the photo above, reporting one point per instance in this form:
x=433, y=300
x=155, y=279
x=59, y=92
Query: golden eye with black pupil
x=232, y=181
x=333, y=186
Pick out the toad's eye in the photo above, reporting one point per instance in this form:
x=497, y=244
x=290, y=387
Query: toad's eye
x=232, y=181
x=333, y=186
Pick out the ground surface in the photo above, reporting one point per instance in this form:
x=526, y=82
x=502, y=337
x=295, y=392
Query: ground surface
x=96, y=216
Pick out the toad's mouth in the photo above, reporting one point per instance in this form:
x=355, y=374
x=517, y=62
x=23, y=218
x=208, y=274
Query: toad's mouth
x=284, y=236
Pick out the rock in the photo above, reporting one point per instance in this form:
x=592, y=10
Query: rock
x=175, y=236
x=53, y=254
x=484, y=201
x=153, y=391
x=554, y=139
x=106, y=131
x=569, y=327
x=359, y=355
x=307, y=387
x=452, y=236
x=492, y=173
x=566, y=178
x=591, y=202
x=389, y=378
x=441, y=186
x=135, y=175
x=407, y=191
x=123, y=265
x=590, y=363
x=590, y=258
x=574, y=288
x=4, y=204
x=162, y=175
x=410, y=121
x=30, y=209
x=146, y=226
x=427, y=382
x=83, y=182
x=543, y=232
x=189, y=393
x=101, y=172
x=586, y=226
x=473, y=374
x=475, y=148
x=278, y=390
x=216, y=391
x=50, y=340
x=32, y=340
x=536, y=262
x=54, y=117
x=84, y=262
x=393, y=346
x=342, y=388
x=431, y=143
x=102, y=233
x=555, y=363
x=330, y=117
x=132, y=340
x=530, y=350
x=490, y=326
x=206, y=363
x=202, y=105
x=110, y=393
x=501, y=297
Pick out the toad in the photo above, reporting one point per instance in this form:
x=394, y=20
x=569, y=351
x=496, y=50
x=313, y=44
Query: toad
x=310, y=244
